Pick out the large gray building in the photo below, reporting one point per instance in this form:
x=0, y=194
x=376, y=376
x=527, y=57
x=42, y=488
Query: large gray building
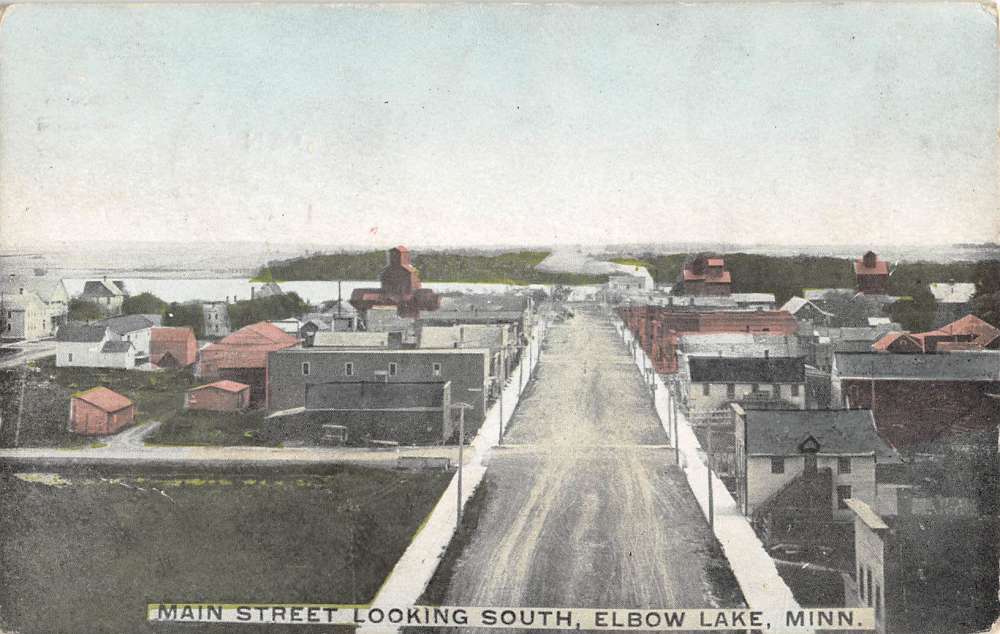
x=292, y=371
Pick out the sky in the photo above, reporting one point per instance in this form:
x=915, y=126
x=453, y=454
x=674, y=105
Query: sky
x=499, y=124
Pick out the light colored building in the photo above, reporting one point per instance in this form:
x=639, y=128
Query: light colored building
x=774, y=447
x=52, y=292
x=712, y=383
x=135, y=329
x=351, y=340
x=215, y=319
x=109, y=296
x=25, y=316
x=92, y=346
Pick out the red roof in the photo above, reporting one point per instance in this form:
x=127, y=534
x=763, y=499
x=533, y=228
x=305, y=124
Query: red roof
x=716, y=262
x=105, y=399
x=226, y=386
x=883, y=344
x=881, y=267
x=248, y=346
x=983, y=333
x=171, y=333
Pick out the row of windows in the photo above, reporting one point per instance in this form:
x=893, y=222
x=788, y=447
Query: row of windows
x=778, y=465
x=865, y=592
x=392, y=370
x=706, y=389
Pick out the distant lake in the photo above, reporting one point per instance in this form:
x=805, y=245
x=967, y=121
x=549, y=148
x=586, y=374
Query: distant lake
x=223, y=288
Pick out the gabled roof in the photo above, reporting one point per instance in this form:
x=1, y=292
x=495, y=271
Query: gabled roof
x=795, y=304
x=21, y=301
x=952, y=292
x=261, y=333
x=747, y=370
x=844, y=431
x=225, y=385
x=983, y=334
x=46, y=288
x=79, y=332
x=965, y=366
x=815, y=294
x=125, y=324
x=885, y=342
x=116, y=346
x=102, y=288
x=103, y=398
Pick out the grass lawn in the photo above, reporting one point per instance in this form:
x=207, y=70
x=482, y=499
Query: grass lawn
x=88, y=556
x=47, y=391
x=185, y=427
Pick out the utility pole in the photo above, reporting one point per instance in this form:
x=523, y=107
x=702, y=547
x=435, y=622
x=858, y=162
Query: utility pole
x=461, y=407
x=20, y=405
x=711, y=501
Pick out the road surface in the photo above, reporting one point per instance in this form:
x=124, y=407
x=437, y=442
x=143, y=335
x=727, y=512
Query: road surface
x=28, y=351
x=596, y=517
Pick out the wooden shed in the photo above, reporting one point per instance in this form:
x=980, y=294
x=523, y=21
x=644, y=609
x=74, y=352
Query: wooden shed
x=100, y=412
x=221, y=396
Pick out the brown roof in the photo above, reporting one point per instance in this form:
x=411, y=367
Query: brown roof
x=883, y=344
x=107, y=400
x=226, y=386
x=171, y=333
x=982, y=332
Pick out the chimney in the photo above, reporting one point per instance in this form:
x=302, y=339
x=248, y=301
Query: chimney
x=253, y=292
x=869, y=259
x=767, y=353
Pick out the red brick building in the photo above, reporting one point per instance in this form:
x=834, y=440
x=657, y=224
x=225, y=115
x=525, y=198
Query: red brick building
x=969, y=333
x=400, y=287
x=872, y=274
x=220, y=396
x=658, y=328
x=172, y=347
x=242, y=356
x=99, y=412
x=705, y=276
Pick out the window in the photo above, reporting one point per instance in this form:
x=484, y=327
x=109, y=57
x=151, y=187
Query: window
x=868, y=586
x=878, y=603
x=843, y=465
x=777, y=464
x=305, y=369
x=776, y=390
x=392, y=369
x=795, y=389
x=861, y=582
x=844, y=494
x=730, y=391
x=70, y=357
x=436, y=369
x=348, y=369
x=706, y=389
x=754, y=387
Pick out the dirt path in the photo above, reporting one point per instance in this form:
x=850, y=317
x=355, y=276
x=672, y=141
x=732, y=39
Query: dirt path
x=595, y=517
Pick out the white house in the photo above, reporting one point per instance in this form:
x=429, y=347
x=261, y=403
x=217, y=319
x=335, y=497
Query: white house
x=711, y=383
x=51, y=292
x=109, y=296
x=774, y=447
x=92, y=346
x=135, y=329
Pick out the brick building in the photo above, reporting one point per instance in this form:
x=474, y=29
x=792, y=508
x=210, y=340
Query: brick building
x=400, y=287
x=220, y=396
x=172, y=347
x=242, y=357
x=872, y=274
x=704, y=275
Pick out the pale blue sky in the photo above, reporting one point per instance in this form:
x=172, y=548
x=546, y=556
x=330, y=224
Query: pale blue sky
x=499, y=124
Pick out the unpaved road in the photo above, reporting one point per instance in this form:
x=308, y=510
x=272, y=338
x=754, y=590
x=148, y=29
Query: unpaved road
x=595, y=517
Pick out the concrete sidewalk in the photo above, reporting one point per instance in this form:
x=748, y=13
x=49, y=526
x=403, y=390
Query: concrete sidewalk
x=755, y=571
x=412, y=573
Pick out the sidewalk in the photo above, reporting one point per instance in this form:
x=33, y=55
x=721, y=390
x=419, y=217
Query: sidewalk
x=755, y=571
x=411, y=574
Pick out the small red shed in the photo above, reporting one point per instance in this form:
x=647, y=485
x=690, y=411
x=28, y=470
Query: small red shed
x=221, y=396
x=99, y=412
x=172, y=347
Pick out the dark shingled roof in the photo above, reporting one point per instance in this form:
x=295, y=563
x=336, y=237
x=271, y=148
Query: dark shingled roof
x=747, y=369
x=846, y=431
x=116, y=346
x=954, y=366
x=75, y=331
x=127, y=323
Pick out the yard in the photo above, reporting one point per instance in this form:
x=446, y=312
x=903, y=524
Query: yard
x=47, y=391
x=87, y=555
x=191, y=427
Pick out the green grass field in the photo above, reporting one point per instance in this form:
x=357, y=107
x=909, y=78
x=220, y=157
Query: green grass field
x=88, y=556
x=228, y=429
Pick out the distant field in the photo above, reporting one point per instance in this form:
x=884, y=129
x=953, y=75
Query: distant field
x=517, y=267
x=87, y=557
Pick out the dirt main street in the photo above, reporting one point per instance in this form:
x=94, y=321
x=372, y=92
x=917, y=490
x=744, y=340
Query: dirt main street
x=595, y=517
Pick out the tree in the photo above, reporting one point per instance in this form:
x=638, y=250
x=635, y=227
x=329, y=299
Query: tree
x=251, y=311
x=143, y=304
x=917, y=313
x=82, y=310
x=190, y=314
